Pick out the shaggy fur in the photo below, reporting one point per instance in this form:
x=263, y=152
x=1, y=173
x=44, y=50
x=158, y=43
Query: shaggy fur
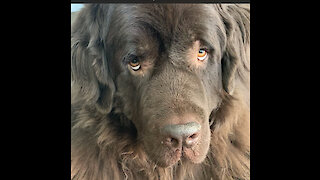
x=117, y=112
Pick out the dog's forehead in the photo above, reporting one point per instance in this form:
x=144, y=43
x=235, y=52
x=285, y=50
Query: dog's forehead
x=150, y=29
x=172, y=22
x=175, y=19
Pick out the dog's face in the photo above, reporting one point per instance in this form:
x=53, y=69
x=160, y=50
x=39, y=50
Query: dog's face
x=169, y=73
x=164, y=65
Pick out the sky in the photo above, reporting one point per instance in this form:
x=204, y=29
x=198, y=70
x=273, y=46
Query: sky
x=76, y=7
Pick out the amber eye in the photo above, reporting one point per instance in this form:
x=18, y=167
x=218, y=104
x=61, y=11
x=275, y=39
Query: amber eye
x=202, y=54
x=135, y=64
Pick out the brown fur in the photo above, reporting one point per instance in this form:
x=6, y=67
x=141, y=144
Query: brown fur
x=116, y=112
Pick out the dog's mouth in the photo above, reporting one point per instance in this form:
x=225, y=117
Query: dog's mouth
x=172, y=157
x=163, y=155
x=189, y=154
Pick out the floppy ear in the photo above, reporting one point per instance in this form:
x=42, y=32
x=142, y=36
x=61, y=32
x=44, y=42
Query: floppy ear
x=236, y=20
x=91, y=80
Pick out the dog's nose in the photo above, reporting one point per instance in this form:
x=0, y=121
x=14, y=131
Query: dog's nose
x=177, y=135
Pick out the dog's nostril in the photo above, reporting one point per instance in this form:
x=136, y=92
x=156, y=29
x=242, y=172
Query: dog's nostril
x=191, y=140
x=170, y=140
x=193, y=136
x=173, y=142
x=181, y=134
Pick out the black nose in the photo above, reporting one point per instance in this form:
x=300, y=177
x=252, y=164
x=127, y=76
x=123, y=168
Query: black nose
x=181, y=134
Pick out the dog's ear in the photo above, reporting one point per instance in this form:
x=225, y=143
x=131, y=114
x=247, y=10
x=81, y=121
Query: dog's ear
x=91, y=80
x=236, y=21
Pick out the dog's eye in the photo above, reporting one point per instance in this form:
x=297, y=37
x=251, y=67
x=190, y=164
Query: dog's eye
x=202, y=54
x=135, y=64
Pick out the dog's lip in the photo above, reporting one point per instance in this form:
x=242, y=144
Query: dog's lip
x=185, y=153
x=175, y=158
x=182, y=155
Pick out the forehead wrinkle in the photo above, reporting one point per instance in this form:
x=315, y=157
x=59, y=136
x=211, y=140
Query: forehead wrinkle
x=164, y=19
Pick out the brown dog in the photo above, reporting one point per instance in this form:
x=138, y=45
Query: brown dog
x=160, y=91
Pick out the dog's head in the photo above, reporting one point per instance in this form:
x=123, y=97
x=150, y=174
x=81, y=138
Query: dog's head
x=165, y=68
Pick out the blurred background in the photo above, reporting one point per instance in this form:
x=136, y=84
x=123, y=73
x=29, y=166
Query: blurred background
x=75, y=8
